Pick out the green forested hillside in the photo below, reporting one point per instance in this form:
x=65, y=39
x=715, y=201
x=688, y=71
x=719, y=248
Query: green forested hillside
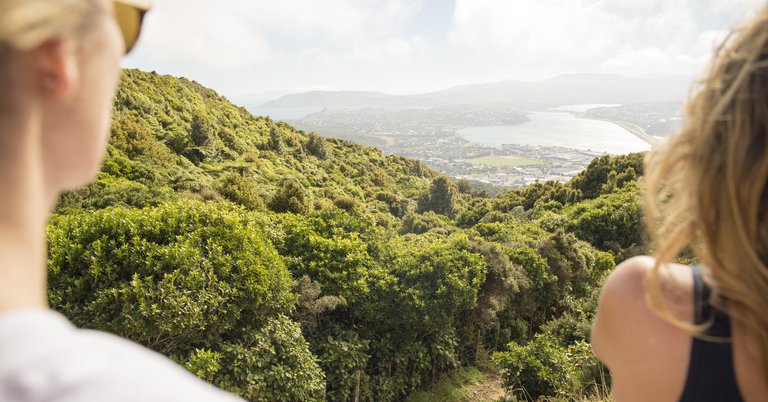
x=287, y=266
x=173, y=138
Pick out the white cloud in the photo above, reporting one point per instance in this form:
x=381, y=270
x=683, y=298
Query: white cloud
x=396, y=49
x=229, y=37
x=327, y=21
x=640, y=35
x=194, y=36
x=743, y=8
x=535, y=30
x=398, y=45
x=654, y=60
x=708, y=41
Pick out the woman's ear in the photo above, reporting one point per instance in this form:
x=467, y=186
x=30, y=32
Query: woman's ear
x=57, y=72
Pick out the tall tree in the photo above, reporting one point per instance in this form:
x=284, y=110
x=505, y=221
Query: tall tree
x=439, y=198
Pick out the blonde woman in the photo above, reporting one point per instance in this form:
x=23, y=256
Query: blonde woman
x=670, y=332
x=59, y=68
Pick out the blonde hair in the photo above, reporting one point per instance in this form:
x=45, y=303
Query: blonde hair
x=25, y=24
x=706, y=188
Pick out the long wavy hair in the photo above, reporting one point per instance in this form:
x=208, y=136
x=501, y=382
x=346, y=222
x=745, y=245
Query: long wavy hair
x=707, y=186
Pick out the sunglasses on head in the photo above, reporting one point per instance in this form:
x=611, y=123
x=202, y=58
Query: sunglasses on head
x=130, y=16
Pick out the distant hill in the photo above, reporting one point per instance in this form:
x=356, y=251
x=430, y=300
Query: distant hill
x=572, y=89
x=348, y=99
x=562, y=90
x=254, y=100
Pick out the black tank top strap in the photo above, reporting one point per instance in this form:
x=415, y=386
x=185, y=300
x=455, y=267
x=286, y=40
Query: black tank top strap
x=711, y=375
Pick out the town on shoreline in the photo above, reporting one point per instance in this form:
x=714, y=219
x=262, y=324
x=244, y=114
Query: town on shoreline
x=431, y=135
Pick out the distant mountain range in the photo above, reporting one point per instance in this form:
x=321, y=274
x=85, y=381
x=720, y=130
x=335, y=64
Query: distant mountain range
x=350, y=99
x=562, y=90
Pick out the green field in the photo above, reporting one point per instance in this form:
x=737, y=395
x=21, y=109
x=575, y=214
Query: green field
x=466, y=384
x=499, y=161
x=371, y=140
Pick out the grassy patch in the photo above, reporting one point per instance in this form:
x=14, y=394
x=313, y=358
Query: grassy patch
x=592, y=393
x=455, y=387
x=499, y=161
x=372, y=140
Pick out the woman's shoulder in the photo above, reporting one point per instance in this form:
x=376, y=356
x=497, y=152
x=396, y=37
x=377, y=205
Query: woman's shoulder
x=633, y=340
x=49, y=359
x=622, y=303
x=624, y=293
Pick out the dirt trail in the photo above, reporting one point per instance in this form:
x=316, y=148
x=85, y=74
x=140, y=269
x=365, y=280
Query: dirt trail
x=489, y=390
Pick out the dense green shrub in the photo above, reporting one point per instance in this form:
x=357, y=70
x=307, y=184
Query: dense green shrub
x=597, y=178
x=333, y=248
x=398, y=206
x=346, y=203
x=272, y=363
x=423, y=223
x=316, y=146
x=547, y=192
x=343, y=357
x=108, y=191
x=471, y=217
x=612, y=221
x=439, y=198
x=275, y=141
x=544, y=368
x=437, y=278
x=291, y=197
x=180, y=278
x=240, y=190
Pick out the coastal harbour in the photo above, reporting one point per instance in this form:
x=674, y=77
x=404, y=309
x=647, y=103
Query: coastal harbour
x=563, y=129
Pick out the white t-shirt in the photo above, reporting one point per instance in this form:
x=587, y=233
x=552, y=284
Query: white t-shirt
x=43, y=357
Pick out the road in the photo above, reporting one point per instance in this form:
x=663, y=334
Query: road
x=636, y=130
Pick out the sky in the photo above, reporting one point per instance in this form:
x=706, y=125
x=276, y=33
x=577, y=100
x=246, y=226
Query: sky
x=269, y=47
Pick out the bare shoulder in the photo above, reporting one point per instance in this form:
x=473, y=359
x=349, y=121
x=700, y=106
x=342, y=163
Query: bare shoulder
x=621, y=299
x=627, y=281
x=623, y=311
x=638, y=345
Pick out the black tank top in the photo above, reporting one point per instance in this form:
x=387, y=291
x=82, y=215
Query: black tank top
x=711, y=375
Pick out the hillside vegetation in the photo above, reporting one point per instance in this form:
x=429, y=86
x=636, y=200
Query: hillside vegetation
x=286, y=266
